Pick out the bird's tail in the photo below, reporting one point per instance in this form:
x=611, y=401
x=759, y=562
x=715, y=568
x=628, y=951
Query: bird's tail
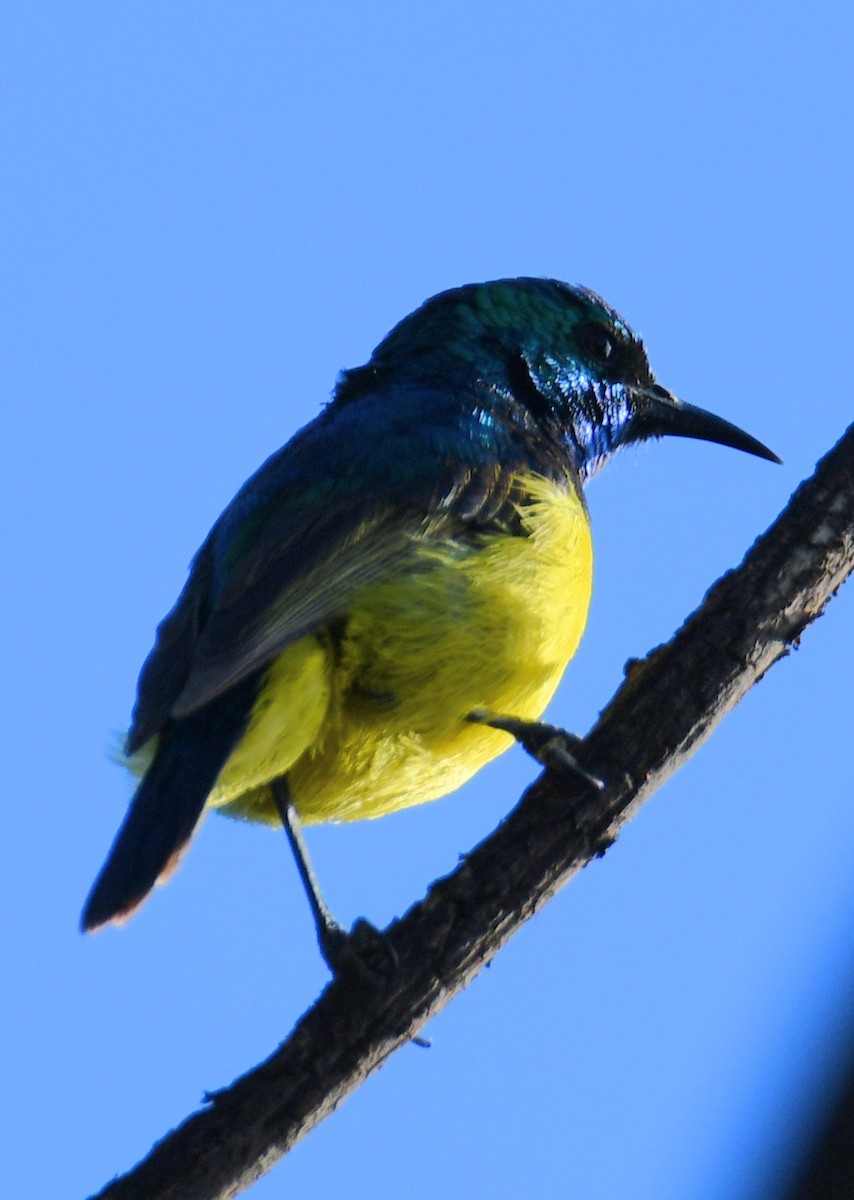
x=163, y=815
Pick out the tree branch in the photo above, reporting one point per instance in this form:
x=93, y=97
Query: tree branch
x=668, y=704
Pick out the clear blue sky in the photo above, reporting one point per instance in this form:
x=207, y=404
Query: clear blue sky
x=210, y=209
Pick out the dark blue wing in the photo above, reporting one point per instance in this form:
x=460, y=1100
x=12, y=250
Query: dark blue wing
x=341, y=504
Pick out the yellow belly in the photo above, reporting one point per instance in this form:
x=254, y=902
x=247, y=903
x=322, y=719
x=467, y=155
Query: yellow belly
x=375, y=721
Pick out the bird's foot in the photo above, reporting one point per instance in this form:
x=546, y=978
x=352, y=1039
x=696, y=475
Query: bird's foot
x=552, y=747
x=365, y=949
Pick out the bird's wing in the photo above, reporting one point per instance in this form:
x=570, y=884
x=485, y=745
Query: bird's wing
x=337, y=507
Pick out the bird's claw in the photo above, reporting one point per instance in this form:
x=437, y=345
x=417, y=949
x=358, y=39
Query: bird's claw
x=365, y=949
x=552, y=747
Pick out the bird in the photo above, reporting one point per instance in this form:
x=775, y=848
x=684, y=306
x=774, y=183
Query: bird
x=394, y=595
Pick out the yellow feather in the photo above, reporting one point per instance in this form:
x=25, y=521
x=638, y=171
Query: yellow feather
x=376, y=722
x=286, y=720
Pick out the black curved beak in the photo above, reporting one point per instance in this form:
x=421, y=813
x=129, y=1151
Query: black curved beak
x=658, y=413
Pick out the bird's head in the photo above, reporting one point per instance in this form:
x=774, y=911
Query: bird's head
x=560, y=353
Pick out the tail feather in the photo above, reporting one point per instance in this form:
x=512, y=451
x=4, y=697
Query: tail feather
x=166, y=808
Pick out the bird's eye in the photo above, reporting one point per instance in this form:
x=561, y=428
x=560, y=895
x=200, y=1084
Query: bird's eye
x=597, y=341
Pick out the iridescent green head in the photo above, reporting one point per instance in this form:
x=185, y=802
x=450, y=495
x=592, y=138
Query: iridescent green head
x=560, y=351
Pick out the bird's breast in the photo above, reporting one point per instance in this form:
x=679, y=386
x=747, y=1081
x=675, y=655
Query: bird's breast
x=486, y=623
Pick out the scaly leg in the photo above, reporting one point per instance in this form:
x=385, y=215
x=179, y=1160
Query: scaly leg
x=554, y=748
x=337, y=946
x=330, y=936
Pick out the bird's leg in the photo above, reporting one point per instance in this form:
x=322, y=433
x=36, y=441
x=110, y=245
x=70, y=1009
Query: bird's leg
x=551, y=746
x=330, y=935
x=336, y=945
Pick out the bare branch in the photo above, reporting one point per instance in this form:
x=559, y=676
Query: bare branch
x=668, y=704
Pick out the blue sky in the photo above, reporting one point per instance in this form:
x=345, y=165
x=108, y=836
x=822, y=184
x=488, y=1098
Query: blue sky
x=209, y=210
